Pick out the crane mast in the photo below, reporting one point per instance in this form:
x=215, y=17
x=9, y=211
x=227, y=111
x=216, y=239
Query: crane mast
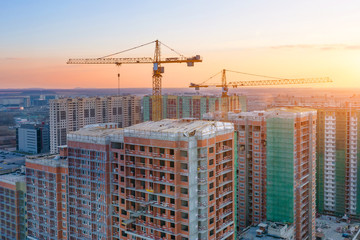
x=158, y=70
x=156, y=84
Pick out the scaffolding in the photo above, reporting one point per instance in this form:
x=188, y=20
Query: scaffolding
x=280, y=169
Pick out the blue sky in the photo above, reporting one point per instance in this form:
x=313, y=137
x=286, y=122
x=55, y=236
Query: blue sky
x=57, y=30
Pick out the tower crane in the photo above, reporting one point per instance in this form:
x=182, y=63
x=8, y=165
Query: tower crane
x=250, y=83
x=158, y=70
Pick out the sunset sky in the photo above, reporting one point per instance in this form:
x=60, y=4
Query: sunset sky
x=289, y=39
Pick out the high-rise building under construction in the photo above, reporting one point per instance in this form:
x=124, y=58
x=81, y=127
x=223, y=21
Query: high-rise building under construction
x=71, y=114
x=171, y=179
x=276, y=165
x=338, y=161
x=175, y=107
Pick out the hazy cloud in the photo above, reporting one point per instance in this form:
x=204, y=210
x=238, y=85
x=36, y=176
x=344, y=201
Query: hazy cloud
x=12, y=59
x=325, y=47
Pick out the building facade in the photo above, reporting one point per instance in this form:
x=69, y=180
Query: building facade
x=46, y=184
x=33, y=138
x=251, y=150
x=171, y=179
x=176, y=107
x=12, y=207
x=276, y=168
x=338, y=161
x=291, y=164
x=71, y=114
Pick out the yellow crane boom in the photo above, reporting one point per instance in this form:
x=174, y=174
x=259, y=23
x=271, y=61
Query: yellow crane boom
x=157, y=69
x=276, y=81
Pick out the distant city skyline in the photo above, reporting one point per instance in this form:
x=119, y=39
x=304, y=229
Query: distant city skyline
x=284, y=39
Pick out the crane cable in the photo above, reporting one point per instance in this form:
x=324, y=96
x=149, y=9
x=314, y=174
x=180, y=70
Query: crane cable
x=126, y=50
x=173, y=50
x=142, y=45
x=210, y=78
x=256, y=75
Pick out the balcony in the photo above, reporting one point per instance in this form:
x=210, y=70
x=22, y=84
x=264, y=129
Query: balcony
x=224, y=192
x=224, y=171
x=224, y=225
x=202, y=193
x=226, y=234
x=224, y=203
x=223, y=149
x=224, y=160
x=224, y=214
x=202, y=181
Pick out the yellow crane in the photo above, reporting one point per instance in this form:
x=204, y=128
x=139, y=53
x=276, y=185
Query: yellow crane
x=250, y=83
x=157, y=61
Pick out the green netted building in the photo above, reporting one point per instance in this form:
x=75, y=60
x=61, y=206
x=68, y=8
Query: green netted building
x=175, y=107
x=338, y=162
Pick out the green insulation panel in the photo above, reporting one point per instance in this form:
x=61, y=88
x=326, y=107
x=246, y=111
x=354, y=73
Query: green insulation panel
x=146, y=108
x=320, y=148
x=235, y=179
x=340, y=162
x=280, y=170
x=358, y=166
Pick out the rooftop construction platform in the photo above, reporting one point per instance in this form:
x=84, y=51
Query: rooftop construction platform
x=51, y=160
x=166, y=128
x=12, y=178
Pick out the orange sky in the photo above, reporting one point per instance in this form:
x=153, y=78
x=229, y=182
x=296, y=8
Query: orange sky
x=286, y=62
x=282, y=38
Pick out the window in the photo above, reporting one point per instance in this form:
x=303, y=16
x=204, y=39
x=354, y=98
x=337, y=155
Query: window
x=212, y=232
x=184, y=190
x=116, y=145
x=211, y=162
x=150, y=149
x=184, y=228
x=211, y=174
x=123, y=212
x=183, y=153
x=184, y=215
x=172, y=164
x=211, y=185
x=211, y=197
x=183, y=166
x=211, y=221
x=184, y=178
x=142, y=148
x=162, y=151
x=172, y=152
x=211, y=150
x=212, y=209
x=184, y=203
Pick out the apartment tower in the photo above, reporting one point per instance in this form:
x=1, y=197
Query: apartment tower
x=71, y=114
x=251, y=150
x=171, y=179
x=12, y=207
x=46, y=185
x=338, y=165
x=290, y=169
x=176, y=107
